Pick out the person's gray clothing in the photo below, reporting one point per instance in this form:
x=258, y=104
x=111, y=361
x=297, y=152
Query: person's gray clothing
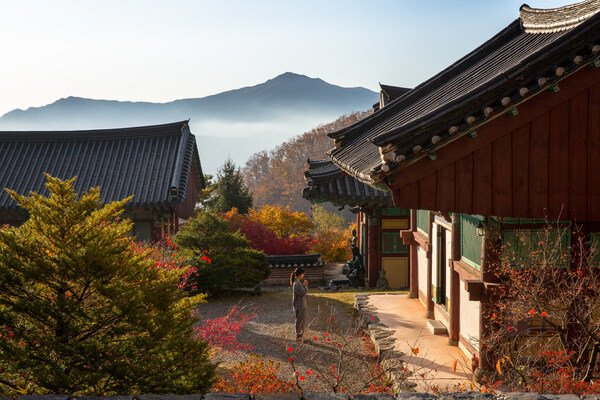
x=299, y=299
x=300, y=304
x=300, y=322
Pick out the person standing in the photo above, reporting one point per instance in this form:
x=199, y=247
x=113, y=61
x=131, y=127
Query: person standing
x=299, y=300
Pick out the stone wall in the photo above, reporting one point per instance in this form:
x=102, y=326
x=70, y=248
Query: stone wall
x=325, y=396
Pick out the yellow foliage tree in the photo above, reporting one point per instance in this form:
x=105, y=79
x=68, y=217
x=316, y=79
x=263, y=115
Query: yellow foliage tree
x=332, y=235
x=283, y=221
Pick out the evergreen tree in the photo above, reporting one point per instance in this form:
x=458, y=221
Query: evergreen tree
x=230, y=191
x=223, y=260
x=82, y=313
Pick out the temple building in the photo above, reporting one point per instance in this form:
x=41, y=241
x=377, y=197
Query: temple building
x=159, y=165
x=501, y=140
x=378, y=221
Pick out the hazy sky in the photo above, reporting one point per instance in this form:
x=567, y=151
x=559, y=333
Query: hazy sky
x=164, y=50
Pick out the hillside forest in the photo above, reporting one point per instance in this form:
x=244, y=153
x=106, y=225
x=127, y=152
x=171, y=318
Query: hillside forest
x=276, y=177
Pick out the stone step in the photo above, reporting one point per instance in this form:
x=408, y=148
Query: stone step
x=339, y=282
x=436, y=327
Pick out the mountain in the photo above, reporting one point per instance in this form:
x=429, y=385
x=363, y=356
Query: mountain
x=235, y=123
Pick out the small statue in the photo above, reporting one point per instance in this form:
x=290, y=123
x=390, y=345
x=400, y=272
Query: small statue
x=382, y=282
x=356, y=271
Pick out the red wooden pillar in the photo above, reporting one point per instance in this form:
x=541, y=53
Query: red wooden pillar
x=373, y=250
x=454, y=284
x=414, y=261
x=429, y=314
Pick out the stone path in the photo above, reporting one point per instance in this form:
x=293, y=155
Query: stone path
x=398, y=327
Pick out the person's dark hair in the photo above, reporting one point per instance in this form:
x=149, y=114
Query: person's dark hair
x=297, y=272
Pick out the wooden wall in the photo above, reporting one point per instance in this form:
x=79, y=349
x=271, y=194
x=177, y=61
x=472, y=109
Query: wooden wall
x=544, y=162
x=185, y=209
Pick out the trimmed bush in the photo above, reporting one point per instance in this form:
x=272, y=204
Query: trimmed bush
x=222, y=260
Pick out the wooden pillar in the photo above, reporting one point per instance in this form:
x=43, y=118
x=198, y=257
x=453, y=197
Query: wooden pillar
x=414, y=260
x=358, y=230
x=373, y=251
x=429, y=313
x=176, y=222
x=454, y=284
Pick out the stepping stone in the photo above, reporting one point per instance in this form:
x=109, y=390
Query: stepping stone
x=324, y=396
x=150, y=397
x=377, y=334
x=142, y=397
x=373, y=396
x=436, y=327
x=276, y=396
x=46, y=397
x=227, y=396
x=466, y=396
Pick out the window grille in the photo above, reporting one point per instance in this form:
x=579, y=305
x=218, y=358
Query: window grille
x=523, y=246
x=470, y=243
x=423, y=221
x=392, y=243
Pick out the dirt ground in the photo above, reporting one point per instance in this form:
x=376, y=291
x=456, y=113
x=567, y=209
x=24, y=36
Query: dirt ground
x=271, y=333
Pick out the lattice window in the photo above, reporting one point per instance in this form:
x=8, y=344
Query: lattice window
x=470, y=243
x=423, y=221
x=524, y=246
x=595, y=248
x=394, y=211
x=392, y=243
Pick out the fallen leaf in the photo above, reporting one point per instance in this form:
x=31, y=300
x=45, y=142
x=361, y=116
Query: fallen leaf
x=415, y=350
x=454, y=365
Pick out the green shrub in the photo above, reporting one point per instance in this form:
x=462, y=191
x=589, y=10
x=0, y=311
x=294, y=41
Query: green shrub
x=82, y=312
x=222, y=260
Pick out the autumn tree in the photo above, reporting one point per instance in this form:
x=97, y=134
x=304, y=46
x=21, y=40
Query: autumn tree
x=332, y=235
x=229, y=190
x=273, y=230
x=276, y=177
x=544, y=326
x=326, y=220
x=82, y=313
x=283, y=221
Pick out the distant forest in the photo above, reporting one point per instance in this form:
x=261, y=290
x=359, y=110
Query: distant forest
x=277, y=176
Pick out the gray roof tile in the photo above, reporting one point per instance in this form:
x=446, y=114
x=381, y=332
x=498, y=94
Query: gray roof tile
x=143, y=161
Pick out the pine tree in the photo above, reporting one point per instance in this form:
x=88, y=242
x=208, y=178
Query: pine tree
x=82, y=313
x=230, y=190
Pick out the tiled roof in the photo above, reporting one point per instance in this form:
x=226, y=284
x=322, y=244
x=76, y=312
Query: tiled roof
x=557, y=19
x=505, y=70
x=327, y=183
x=153, y=163
x=393, y=92
x=387, y=94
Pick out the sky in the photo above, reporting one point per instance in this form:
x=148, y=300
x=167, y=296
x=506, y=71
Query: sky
x=160, y=51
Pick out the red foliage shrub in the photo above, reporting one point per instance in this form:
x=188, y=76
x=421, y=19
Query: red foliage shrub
x=166, y=256
x=254, y=375
x=223, y=332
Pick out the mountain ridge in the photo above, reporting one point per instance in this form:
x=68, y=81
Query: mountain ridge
x=266, y=113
